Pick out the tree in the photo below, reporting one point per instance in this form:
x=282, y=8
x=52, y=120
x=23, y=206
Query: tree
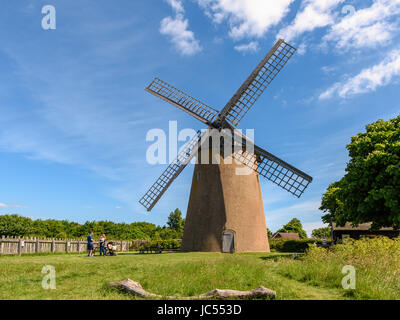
x=175, y=221
x=370, y=189
x=321, y=233
x=294, y=226
x=15, y=226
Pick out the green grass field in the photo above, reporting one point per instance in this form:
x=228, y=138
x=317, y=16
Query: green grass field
x=172, y=274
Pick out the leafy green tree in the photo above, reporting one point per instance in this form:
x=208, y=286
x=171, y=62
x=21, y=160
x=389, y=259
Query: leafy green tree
x=321, y=233
x=370, y=189
x=175, y=221
x=294, y=226
x=15, y=226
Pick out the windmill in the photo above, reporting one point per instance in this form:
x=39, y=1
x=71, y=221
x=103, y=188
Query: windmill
x=225, y=211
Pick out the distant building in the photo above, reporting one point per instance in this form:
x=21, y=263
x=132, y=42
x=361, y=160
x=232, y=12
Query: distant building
x=340, y=233
x=286, y=235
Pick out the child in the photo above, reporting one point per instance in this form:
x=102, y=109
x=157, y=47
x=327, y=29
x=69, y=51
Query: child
x=102, y=245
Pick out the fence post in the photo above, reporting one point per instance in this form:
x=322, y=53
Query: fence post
x=19, y=246
x=1, y=245
x=53, y=246
x=79, y=246
x=66, y=246
x=37, y=246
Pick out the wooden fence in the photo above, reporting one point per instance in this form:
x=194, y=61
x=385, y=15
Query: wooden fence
x=35, y=245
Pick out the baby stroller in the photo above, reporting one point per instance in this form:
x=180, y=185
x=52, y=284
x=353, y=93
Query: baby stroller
x=111, y=249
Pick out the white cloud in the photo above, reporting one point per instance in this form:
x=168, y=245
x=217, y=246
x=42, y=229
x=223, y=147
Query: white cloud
x=328, y=69
x=183, y=39
x=367, y=27
x=248, y=47
x=368, y=79
x=310, y=226
x=176, y=5
x=314, y=14
x=177, y=29
x=309, y=207
x=302, y=49
x=246, y=18
x=9, y=206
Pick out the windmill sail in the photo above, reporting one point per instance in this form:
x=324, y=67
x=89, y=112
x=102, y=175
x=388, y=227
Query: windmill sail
x=161, y=185
x=266, y=164
x=257, y=82
x=274, y=169
x=183, y=101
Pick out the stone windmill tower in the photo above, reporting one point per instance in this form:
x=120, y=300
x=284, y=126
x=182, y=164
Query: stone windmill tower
x=225, y=211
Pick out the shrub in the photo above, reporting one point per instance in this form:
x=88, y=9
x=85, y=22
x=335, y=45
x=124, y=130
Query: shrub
x=172, y=244
x=285, y=245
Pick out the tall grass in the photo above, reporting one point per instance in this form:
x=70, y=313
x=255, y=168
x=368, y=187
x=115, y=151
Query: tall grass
x=376, y=261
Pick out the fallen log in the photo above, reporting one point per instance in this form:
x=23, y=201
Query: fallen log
x=136, y=289
x=260, y=292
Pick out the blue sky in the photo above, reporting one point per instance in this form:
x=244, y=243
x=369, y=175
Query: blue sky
x=74, y=113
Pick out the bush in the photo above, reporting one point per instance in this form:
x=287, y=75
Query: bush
x=285, y=245
x=163, y=244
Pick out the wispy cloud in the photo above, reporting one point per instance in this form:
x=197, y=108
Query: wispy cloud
x=367, y=27
x=313, y=14
x=12, y=206
x=308, y=210
x=177, y=29
x=71, y=111
x=250, y=47
x=310, y=226
x=176, y=5
x=307, y=207
x=368, y=79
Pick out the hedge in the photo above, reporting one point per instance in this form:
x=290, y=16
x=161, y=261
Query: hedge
x=280, y=245
x=285, y=245
x=163, y=244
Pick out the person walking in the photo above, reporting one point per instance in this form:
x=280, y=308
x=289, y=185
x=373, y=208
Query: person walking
x=90, y=244
x=103, y=244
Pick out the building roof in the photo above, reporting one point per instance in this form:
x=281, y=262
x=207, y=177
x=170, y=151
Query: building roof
x=286, y=235
x=361, y=227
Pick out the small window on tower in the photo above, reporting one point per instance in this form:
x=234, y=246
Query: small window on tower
x=198, y=176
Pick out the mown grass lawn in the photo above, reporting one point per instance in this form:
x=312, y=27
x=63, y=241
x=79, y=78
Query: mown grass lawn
x=172, y=274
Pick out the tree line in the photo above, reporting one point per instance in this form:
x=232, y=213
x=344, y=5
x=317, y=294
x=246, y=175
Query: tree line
x=18, y=226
